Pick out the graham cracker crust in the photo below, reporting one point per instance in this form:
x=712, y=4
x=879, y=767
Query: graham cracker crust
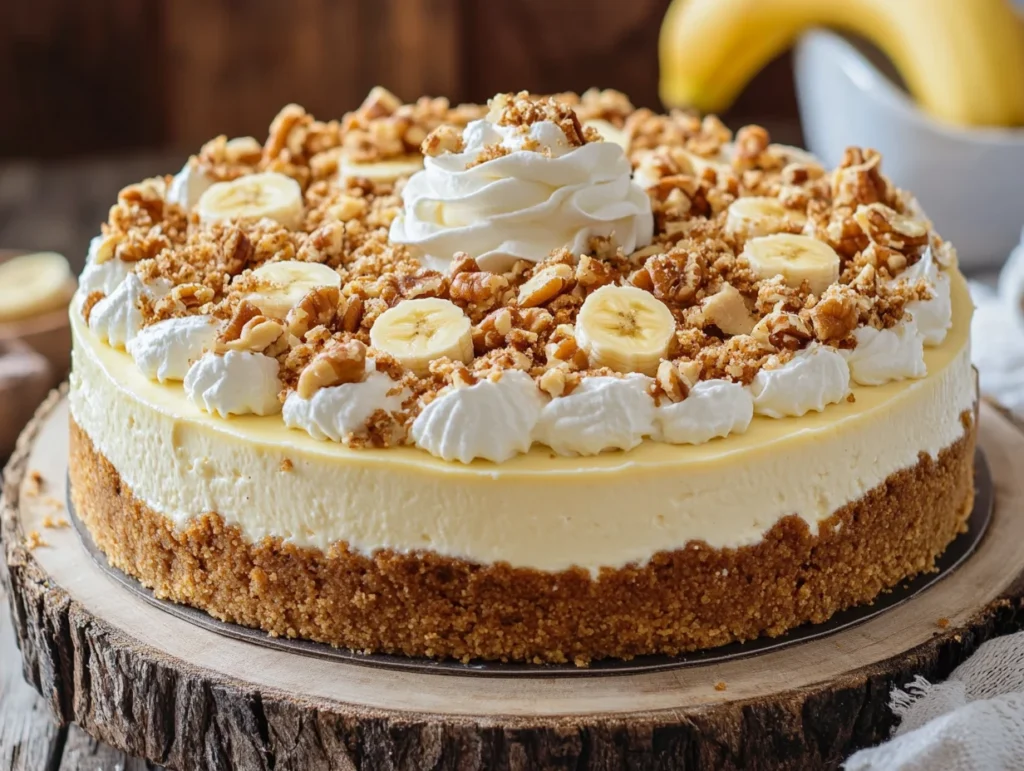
x=423, y=604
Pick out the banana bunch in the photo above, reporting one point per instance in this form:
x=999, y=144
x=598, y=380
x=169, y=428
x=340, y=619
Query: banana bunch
x=962, y=60
x=32, y=284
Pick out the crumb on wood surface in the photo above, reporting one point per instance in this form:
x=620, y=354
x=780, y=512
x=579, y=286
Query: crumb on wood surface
x=34, y=540
x=35, y=483
x=720, y=686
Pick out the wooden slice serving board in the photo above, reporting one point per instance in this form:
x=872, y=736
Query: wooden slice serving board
x=157, y=686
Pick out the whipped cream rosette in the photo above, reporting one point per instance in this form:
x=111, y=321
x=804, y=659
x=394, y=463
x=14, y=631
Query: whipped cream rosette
x=517, y=193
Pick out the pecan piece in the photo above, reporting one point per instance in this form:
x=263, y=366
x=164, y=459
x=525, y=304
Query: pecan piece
x=318, y=307
x=339, y=362
x=836, y=314
x=545, y=285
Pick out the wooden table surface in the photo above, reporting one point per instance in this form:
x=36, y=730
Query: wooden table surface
x=57, y=206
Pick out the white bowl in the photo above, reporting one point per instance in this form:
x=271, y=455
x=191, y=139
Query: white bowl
x=970, y=181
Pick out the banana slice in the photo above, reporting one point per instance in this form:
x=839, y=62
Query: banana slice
x=282, y=285
x=31, y=284
x=795, y=258
x=625, y=328
x=609, y=132
x=418, y=331
x=269, y=194
x=760, y=216
x=381, y=171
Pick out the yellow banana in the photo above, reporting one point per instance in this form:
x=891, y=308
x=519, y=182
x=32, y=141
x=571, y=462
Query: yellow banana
x=962, y=60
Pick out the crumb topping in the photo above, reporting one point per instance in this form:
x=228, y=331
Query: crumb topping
x=730, y=322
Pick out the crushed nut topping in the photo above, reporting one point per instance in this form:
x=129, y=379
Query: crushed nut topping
x=729, y=322
x=338, y=363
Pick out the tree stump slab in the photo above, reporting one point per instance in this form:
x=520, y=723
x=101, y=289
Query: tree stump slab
x=155, y=686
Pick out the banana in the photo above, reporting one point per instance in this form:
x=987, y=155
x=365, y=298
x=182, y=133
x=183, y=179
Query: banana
x=962, y=60
x=609, y=132
x=416, y=332
x=269, y=194
x=31, y=284
x=282, y=285
x=625, y=328
x=381, y=171
x=795, y=258
x=760, y=216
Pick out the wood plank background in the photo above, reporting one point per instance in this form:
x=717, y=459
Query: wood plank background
x=113, y=75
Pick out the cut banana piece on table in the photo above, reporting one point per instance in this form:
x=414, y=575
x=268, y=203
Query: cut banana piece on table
x=760, y=216
x=381, y=171
x=625, y=329
x=269, y=194
x=282, y=285
x=31, y=284
x=416, y=332
x=795, y=258
x=609, y=132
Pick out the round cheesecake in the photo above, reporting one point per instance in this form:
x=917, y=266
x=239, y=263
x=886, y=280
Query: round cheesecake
x=510, y=498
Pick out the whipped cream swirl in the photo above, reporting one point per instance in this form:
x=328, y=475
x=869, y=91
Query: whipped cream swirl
x=713, y=408
x=602, y=413
x=883, y=355
x=237, y=383
x=117, y=318
x=933, y=316
x=101, y=276
x=814, y=378
x=188, y=186
x=341, y=411
x=489, y=419
x=524, y=204
x=165, y=350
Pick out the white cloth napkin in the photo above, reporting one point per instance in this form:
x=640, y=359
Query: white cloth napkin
x=974, y=721
x=997, y=334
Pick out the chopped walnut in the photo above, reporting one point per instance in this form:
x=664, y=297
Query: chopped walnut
x=592, y=273
x=249, y=330
x=887, y=228
x=523, y=110
x=477, y=292
x=323, y=244
x=318, y=307
x=545, y=285
x=443, y=139
x=493, y=330
x=192, y=295
x=859, y=180
x=670, y=382
x=339, y=362
x=836, y=315
x=783, y=331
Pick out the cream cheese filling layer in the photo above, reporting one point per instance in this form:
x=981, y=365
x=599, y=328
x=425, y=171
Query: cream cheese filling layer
x=535, y=510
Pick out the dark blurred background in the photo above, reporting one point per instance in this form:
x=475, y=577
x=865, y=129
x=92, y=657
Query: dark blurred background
x=95, y=94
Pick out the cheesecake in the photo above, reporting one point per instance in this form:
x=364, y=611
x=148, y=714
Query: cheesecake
x=551, y=379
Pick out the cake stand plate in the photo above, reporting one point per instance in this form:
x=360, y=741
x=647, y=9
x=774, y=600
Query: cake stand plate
x=156, y=685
